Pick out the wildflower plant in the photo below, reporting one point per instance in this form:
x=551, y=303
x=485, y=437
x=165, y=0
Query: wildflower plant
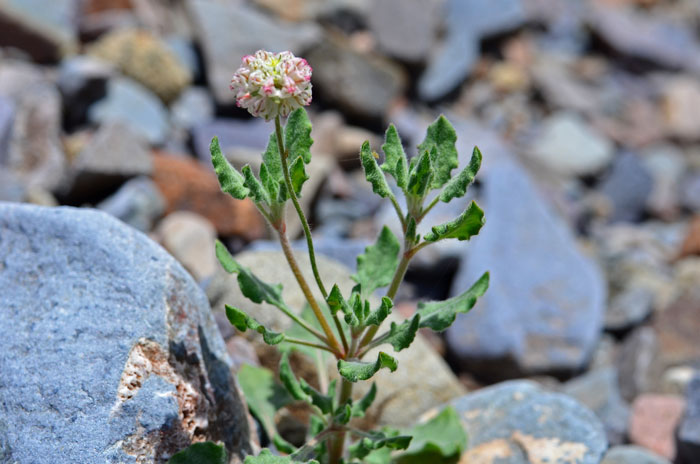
x=345, y=326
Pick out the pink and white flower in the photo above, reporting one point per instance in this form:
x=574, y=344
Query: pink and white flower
x=272, y=84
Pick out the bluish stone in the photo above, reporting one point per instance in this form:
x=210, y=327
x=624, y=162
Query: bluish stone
x=631, y=454
x=138, y=203
x=543, y=311
x=108, y=349
x=132, y=104
x=518, y=423
x=627, y=186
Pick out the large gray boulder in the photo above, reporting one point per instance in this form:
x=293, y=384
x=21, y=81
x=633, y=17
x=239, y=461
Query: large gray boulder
x=108, y=350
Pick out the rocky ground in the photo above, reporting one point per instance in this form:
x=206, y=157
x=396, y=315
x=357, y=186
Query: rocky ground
x=586, y=113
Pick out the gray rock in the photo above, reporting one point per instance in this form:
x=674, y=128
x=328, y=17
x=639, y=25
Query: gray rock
x=467, y=23
x=569, y=146
x=226, y=34
x=18, y=76
x=518, y=423
x=114, y=154
x=190, y=239
x=423, y=379
x=405, y=29
x=690, y=192
x=7, y=116
x=637, y=363
x=629, y=307
x=11, y=188
x=667, y=42
x=45, y=30
x=680, y=96
x=344, y=251
x=82, y=81
x=138, y=203
x=557, y=308
x=666, y=164
x=232, y=134
x=599, y=391
x=194, y=106
x=109, y=352
x=632, y=454
x=688, y=434
x=36, y=153
x=360, y=84
x=132, y=104
x=627, y=187
x=184, y=49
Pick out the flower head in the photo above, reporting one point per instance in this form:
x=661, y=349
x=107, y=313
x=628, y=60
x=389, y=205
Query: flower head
x=271, y=84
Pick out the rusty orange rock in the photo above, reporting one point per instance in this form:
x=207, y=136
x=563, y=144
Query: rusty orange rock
x=188, y=185
x=691, y=244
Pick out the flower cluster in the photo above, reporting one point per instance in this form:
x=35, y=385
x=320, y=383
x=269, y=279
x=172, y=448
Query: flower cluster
x=272, y=84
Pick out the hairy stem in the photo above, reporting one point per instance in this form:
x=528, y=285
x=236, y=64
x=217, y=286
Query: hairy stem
x=287, y=249
x=338, y=444
x=305, y=343
x=292, y=194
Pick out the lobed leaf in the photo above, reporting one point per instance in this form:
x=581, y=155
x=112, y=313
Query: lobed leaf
x=439, y=315
x=289, y=380
x=271, y=184
x=440, y=142
x=357, y=370
x=360, y=407
x=257, y=191
x=467, y=225
x=252, y=288
x=242, y=322
x=336, y=303
x=266, y=457
x=231, y=181
x=376, y=440
x=457, y=186
x=201, y=453
x=402, y=335
x=395, y=157
x=376, y=266
x=420, y=175
x=298, y=175
x=373, y=174
x=377, y=316
x=440, y=440
x=297, y=135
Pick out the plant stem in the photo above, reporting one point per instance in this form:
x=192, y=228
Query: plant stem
x=287, y=249
x=292, y=194
x=305, y=343
x=427, y=210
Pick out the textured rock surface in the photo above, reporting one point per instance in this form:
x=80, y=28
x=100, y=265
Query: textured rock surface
x=405, y=29
x=423, y=379
x=553, y=312
x=190, y=239
x=191, y=186
x=630, y=454
x=146, y=58
x=653, y=421
x=108, y=349
x=518, y=423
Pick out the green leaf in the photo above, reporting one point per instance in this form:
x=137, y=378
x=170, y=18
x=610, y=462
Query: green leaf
x=271, y=185
x=283, y=445
x=402, y=335
x=201, y=453
x=298, y=175
x=440, y=440
x=373, y=174
x=336, y=303
x=243, y=322
x=266, y=457
x=297, y=135
x=344, y=414
x=467, y=225
x=252, y=288
x=318, y=399
x=376, y=267
x=231, y=181
x=376, y=440
x=457, y=186
x=377, y=316
x=271, y=158
x=420, y=175
x=257, y=191
x=439, y=315
x=360, y=307
x=395, y=157
x=263, y=395
x=440, y=143
x=359, y=408
x=357, y=370
x=289, y=380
